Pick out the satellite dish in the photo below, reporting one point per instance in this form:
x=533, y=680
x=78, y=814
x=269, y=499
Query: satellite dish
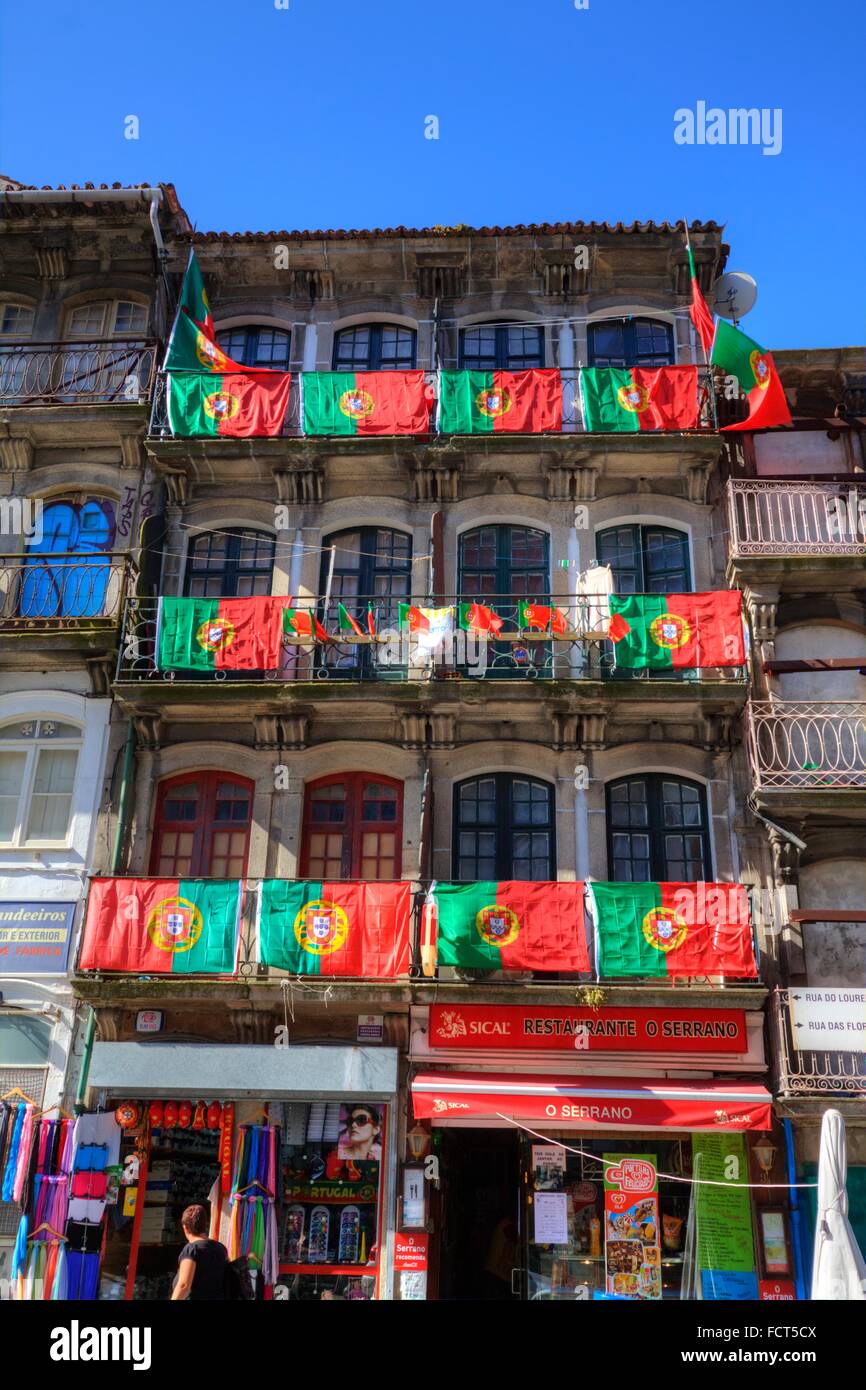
x=733, y=295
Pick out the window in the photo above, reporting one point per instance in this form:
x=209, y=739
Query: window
x=631, y=343
x=25, y=1041
x=657, y=830
x=229, y=564
x=59, y=580
x=646, y=559
x=507, y=347
x=353, y=827
x=374, y=347
x=512, y=561
x=504, y=829
x=202, y=826
x=370, y=562
x=16, y=321
x=107, y=318
x=257, y=346
x=38, y=763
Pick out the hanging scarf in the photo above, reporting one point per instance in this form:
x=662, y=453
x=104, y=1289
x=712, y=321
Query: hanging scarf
x=22, y=1167
x=60, y=1282
x=12, y=1160
x=19, y=1254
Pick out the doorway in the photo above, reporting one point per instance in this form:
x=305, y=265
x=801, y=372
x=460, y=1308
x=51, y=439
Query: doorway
x=480, y=1215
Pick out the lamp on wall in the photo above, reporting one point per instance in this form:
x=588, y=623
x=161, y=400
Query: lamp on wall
x=765, y=1156
x=418, y=1140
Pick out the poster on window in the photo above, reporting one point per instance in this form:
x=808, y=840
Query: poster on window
x=632, y=1256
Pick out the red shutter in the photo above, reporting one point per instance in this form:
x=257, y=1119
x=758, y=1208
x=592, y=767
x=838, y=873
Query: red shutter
x=202, y=826
x=353, y=827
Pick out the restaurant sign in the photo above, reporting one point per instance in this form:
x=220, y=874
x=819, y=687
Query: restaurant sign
x=524, y=1028
x=35, y=937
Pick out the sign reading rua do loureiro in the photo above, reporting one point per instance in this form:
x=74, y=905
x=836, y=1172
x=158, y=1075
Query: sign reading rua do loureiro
x=315, y=928
x=511, y=926
x=162, y=926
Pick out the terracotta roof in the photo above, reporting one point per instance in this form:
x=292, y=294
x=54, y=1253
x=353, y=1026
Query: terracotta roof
x=530, y=229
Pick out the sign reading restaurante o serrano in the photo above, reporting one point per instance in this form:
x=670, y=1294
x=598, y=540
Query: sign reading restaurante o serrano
x=518, y=1027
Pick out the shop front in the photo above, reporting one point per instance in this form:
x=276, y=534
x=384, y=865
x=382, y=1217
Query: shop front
x=631, y=1174
x=290, y=1148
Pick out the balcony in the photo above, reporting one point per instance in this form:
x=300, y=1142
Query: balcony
x=815, y=1075
x=799, y=534
x=808, y=756
x=62, y=593
x=111, y=371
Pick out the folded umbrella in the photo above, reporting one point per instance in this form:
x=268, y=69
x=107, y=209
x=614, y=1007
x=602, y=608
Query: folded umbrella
x=838, y=1269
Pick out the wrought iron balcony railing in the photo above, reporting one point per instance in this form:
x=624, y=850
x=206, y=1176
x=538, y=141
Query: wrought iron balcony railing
x=572, y=412
x=106, y=371
x=808, y=1073
x=796, y=745
x=796, y=518
x=579, y=651
x=62, y=592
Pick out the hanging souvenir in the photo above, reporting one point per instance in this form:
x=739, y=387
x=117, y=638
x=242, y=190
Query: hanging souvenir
x=169, y=1114
x=214, y=1115
x=128, y=1114
x=199, y=1117
x=155, y=1114
x=184, y=1114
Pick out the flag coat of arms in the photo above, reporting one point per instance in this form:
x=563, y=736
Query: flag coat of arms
x=527, y=402
x=346, y=929
x=162, y=926
x=512, y=925
x=366, y=403
x=740, y=356
x=622, y=400
x=221, y=634
x=677, y=631
x=670, y=929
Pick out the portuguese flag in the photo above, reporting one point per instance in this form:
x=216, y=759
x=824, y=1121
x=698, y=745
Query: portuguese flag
x=359, y=929
x=500, y=402
x=662, y=631
x=366, y=403
x=511, y=926
x=300, y=622
x=620, y=400
x=660, y=929
x=477, y=617
x=220, y=634
x=698, y=312
x=540, y=617
x=754, y=369
x=233, y=405
x=162, y=926
x=193, y=320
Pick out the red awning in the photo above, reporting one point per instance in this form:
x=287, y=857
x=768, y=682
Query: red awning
x=591, y=1102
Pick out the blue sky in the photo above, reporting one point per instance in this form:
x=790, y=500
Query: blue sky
x=313, y=116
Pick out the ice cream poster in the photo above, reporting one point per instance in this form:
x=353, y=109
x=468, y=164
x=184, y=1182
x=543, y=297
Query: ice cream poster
x=632, y=1253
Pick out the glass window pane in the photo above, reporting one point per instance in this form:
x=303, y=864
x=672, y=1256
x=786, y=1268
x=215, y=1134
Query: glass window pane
x=11, y=778
x=16, y=321
x=129, y=318
x=51, y=800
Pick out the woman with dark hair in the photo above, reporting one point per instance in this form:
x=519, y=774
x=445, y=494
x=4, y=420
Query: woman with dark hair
x=201, y=1265
x=361, y=1137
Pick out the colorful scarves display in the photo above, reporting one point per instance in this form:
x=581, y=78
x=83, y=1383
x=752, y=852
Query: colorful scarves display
x=253, y=1230
x=16, y=1141
x=42, y=1163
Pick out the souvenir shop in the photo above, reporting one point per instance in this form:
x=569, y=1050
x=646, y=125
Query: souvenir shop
x=297, y=1182
x=635, y=1173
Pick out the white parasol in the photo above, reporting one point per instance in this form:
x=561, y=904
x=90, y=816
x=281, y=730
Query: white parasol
x=838, y=1270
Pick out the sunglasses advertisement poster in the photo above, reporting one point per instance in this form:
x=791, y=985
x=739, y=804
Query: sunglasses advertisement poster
x=632, y=1253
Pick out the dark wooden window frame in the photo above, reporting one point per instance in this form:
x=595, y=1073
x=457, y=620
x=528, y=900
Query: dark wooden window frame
x=206, y=824
x=655, y=828
x=504, y=827
x=354, y=826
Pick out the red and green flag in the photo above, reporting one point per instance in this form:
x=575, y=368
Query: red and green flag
x=741, y=357
x=661, y=631
x=618, y=400
x=300, y=622
x=162, y=926
x=193, y=320
x=540, y=617
x=527, y=402
x=366, y=403
x=358, y=929
x=698, y=312
x=511, y=926
x=232, y=405
x=670, y=929
x=220, y=634
x=477, y=617
x=346, y=623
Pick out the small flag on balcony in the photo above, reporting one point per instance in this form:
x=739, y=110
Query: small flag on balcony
x=671, y=929
x=300, y=622
x=527, y=402
x=232, y=405
x=357, y=929
x=163, y=926
x=193, y=322
x=540, y=617
x=368, y=403
x=698, y=312
x=347, y=623
x=661, y=631
x=477, y=617
x=220, y=634
x=756, y=373
x=632, y=399
x=511, y=926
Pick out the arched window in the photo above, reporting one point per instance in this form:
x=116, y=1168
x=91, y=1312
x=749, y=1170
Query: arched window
x=38, y=764
x=374, y=347
x=257, y=345
x=631, y=342
x=16, y=322
x=504, y=828
x=657, y=830
x=646, y=559
x=513, y=561
x=353, y=827
x=237, y=562
x=202, y=826
x=505, y=347
x=107, y=318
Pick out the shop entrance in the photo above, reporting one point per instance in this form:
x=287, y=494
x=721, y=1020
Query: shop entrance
x=480, y=1214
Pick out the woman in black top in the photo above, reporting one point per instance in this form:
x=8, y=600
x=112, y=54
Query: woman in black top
x=201, y=1273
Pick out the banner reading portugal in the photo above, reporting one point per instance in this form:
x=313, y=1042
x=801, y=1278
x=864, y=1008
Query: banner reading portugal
x=162, y=926
x=359, y=929
x=221, y=634
x=677, y=631
x=511, y=926
x=660, y=929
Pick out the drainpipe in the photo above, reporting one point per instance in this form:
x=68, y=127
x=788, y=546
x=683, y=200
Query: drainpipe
x=796, y=1214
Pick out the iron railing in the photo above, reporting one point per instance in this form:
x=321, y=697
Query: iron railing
x=62, y=591
x=103, y=371
x=572, y=412
x=802, y=745
x=395, y=653
x=796, y=518
x=809, y=1073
